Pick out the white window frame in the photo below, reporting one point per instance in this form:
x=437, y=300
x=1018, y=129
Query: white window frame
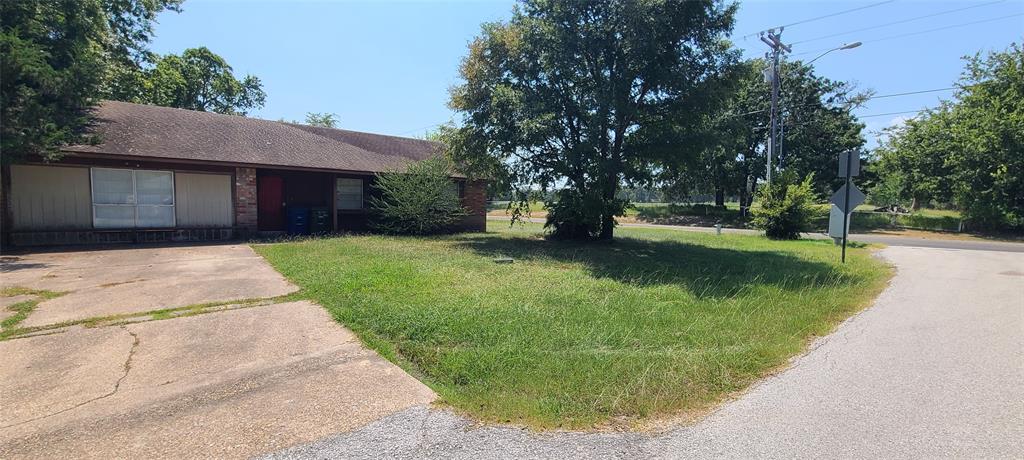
x=134, y=198
x=362, y=198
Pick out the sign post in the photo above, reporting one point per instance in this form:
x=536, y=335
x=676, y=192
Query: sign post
x=848, y=197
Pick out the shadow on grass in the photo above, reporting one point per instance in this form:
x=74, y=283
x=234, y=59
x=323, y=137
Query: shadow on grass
x=704, y=271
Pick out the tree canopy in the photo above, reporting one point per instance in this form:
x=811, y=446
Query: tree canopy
x=198, y=79
x=818, y=125
x=587, y=96
x=322, y=119
x=54, y=56
x=971, y=149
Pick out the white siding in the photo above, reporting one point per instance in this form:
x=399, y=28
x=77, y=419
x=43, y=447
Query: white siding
x=50, y=198
x=203, y=200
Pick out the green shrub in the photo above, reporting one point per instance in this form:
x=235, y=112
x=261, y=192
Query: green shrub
x=422, y=200
x=786, y=208
x=576, y=215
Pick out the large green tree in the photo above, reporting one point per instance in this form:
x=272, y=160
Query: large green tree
x=198, y=79
x=817, y=126
x=913, y=157
x=988, y=163
x=587, y=96
x=54, y=56
x=971, y=149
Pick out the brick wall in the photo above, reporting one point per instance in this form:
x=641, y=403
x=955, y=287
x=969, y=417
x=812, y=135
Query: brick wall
x=474, y=199
x=245, y=199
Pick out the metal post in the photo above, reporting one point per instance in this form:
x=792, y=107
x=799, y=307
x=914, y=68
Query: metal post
x=846, y=203
x=782, y=135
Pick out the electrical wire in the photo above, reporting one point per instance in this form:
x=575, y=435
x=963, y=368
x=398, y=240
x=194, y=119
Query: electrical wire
x=890, y=113
x=821, y=17
x=908, y=93
x=420, y=129
x=902, y=21
x=913, y=92
x=920, y=32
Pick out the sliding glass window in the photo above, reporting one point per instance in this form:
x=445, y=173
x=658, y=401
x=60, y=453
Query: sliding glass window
x=126, y=198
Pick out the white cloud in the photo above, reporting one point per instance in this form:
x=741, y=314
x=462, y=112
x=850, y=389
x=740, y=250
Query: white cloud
x=898, y=121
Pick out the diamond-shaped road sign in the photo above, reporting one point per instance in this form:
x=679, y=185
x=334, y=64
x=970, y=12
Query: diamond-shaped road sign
x=856, y=198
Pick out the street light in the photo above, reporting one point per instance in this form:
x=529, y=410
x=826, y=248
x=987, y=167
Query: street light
x=848, y=46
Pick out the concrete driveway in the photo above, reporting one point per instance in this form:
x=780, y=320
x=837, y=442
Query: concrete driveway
x=121, y=280
x=254, y=377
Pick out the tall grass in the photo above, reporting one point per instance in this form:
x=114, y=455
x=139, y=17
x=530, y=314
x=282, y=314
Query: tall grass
x=576, y=335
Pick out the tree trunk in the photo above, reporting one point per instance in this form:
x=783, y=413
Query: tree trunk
x=743, y=201
x=608, y=219
x=750, y=198
x=720, y=197
x=915, y=205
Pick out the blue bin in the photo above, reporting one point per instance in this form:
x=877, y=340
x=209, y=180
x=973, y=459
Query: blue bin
x=298, y=221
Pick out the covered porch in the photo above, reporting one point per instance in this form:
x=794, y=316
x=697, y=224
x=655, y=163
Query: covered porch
x=311, y=202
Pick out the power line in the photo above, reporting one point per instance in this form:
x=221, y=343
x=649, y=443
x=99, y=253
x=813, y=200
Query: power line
x=421, y=129
x=920, y=32
x=912, y=92
x=881, y=96
x=821, y=17
x=890, y=113
x=903, y=21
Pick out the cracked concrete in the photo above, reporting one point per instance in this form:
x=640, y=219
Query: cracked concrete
x=133, y=279
x=11, y=300
x=229, y=384
x=35, y=372
x=117, y=385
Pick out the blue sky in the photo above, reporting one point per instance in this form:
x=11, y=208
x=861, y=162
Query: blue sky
x=386, y=67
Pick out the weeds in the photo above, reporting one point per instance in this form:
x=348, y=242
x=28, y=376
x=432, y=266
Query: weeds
x=24, y=308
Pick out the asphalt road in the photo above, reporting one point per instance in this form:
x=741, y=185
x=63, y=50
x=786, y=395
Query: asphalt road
x=935, y=368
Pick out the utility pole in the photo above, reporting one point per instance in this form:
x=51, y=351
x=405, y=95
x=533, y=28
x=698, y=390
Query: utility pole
x=774, y=41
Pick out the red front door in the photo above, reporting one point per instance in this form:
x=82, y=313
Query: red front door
x=270, y=203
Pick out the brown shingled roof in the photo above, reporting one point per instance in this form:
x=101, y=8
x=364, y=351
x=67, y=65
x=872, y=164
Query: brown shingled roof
x=163, y=132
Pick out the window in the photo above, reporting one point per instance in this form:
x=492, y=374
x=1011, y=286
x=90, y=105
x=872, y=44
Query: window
x=456, y=189
x=348, y=193
x=125, y=198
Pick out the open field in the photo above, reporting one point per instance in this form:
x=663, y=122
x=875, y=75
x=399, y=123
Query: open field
x=657, y=324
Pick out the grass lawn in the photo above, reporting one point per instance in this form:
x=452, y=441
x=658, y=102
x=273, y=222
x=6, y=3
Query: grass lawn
x=657, y=324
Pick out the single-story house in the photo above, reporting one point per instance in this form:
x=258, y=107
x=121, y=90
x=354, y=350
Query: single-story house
x=165, y=174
